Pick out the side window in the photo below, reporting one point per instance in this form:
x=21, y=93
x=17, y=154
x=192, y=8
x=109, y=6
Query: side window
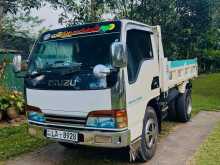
x=139, y=49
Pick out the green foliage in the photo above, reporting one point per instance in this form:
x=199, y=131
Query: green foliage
x=189, y=27
x=4, y=103
x=16, y=24
x=78, y=12
x=10, y=99
x=13, y=6
x=17, y=32
x=20, y=25
x=210, y=40
x=16, y=100
x=212, y=52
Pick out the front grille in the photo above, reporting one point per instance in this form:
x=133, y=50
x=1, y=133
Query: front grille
x=80, y=121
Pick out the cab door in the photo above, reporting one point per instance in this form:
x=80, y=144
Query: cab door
x=142, y=75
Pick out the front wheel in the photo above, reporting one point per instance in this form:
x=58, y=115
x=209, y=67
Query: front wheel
x=149, y=136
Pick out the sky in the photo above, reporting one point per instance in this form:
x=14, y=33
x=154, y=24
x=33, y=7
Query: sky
x=49, y=16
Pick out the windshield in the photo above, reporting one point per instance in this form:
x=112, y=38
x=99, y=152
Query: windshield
x=83, y=51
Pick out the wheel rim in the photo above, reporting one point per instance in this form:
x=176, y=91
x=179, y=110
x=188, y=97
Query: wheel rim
x=151, y=133
x=189, y=108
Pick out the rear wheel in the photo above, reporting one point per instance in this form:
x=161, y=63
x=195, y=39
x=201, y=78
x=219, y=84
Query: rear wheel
x=149, y=135
x=172, y=116
x=184, y=106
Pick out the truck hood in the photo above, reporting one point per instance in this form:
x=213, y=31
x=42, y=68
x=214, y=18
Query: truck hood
x=69, y=102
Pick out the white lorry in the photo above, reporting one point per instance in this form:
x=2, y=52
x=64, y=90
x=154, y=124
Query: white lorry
x=106, y=84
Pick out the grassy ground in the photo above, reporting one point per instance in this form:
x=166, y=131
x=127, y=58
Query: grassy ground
x=16, y=140
x=209, y=152
x=206, y=93
x=206, y=96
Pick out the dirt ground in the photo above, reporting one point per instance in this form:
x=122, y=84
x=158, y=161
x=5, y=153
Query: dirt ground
x=177, y=148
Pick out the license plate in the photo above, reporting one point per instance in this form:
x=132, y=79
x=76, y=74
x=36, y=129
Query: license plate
x=62, y=135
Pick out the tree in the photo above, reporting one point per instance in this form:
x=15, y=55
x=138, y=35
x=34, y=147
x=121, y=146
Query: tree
x=121, y=8
x=163, y=13
x=17, y=32
x=20, y=25
x=13, y=6
x=78, y=12
x=194, y=21
x=215, y=13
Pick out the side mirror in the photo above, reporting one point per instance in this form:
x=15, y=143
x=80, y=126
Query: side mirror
x=17, y=62
x=119, y=58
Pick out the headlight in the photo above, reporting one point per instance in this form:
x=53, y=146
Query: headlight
x=34, y=113
x=107, y=119
x=101, y=122
x=36, y=116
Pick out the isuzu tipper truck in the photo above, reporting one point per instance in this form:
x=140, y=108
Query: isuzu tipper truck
x=106, y=84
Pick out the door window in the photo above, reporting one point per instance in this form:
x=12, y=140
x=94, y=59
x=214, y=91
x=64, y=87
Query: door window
x=139, y=48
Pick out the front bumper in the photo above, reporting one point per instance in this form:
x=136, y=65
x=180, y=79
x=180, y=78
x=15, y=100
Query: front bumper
x=95, y=138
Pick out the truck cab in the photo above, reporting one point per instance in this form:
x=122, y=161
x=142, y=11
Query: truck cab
x=103, y=84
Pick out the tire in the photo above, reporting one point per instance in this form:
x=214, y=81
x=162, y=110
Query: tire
x=184, y=106
x=148, y=142
x=172, y=116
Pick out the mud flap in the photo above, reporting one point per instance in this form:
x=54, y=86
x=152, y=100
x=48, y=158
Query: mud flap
x=134, y=149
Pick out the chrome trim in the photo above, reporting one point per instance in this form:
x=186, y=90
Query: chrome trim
x=118, y=92
x=74, y=126
x=64, y=119
x=57, y=119
x=118, y=139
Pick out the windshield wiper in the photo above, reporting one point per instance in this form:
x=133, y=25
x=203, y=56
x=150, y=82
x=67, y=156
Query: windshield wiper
x=68, y=69
x=37, y=73
x=61, y=69
x=63, y=64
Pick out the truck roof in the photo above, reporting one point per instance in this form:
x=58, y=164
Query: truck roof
x=128, y=21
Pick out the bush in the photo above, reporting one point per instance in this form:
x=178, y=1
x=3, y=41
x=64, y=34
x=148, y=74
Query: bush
x=209, y=61
x=212, y=53
x=11, y=99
